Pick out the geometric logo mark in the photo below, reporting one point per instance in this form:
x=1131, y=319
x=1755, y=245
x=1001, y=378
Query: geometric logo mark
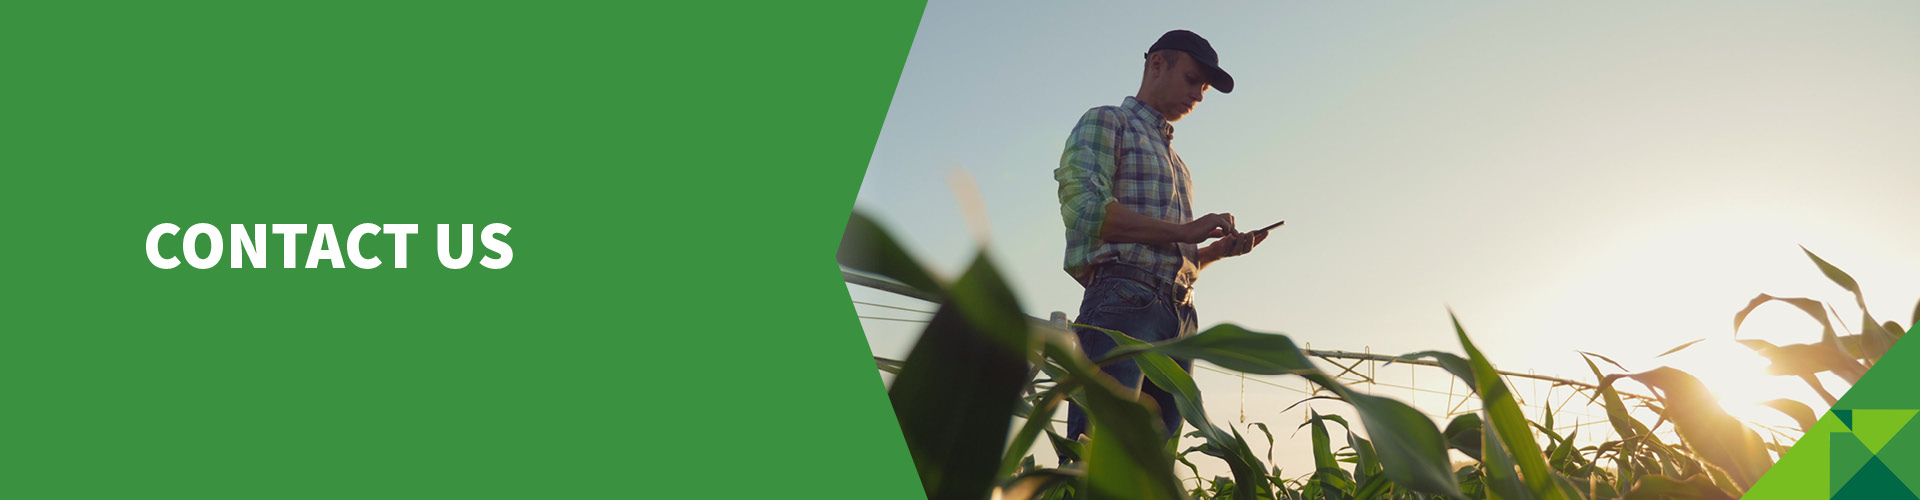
x=1871, y=460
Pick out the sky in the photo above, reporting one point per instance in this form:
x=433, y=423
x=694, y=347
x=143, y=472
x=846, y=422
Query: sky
x=1617, y=178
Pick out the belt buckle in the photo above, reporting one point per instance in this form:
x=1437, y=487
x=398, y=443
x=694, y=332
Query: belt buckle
x=1182, y=295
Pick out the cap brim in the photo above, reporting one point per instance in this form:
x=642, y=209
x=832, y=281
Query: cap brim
x=1218, y=78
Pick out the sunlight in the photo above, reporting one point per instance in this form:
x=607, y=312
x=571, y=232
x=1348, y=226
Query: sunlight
x=1684, y=280
x=1738, y=378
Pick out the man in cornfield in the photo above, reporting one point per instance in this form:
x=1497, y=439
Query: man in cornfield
x=1132, y=239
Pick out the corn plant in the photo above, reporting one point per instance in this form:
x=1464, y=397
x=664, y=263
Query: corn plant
x=960, y=386
x=981, y=362
x=1847, y=356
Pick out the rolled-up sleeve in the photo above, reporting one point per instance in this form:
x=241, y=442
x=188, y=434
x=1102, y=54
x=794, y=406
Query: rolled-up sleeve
x=1086, y=171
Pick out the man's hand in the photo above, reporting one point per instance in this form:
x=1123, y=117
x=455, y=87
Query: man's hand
x=1230, y=246
x=1127, y=226
x=1206, y=227
x=1234, y=245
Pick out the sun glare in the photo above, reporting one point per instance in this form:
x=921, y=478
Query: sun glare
x=1738, y=376
x=1684, y=280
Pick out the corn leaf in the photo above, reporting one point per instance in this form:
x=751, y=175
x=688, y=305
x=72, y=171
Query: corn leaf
x=1875, y=339
x=1834, y=273
x=1681, y=346
x=1037, y=420
x=1126, y=459
x=866, y=247
x=1268, y=433
x=1814, y=309
x=1411, y=449
x=1502, y=477
x=1248, y=471
x=1231, y=447
x=1563, y=453
x=1252, y=480
x=1805, y=360
x=1596, y=372
x=1238, y=349
x=1696, y=487
x=1454, y=364
x=1373, y=488
x=1800, y=412
x=1509, y=424
x=1820, y=388
x=1073, y=451
x=1037, y=484
x=962, y=380
x=1463, y=434
x=1322, y=443
x=1367, y=463
x=1709, y=431
x=1412, y=452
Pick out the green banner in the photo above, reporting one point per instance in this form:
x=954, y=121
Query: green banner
x=669, y=324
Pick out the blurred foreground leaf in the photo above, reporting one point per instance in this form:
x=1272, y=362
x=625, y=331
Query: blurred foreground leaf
x=959, y=387
x=866, y=247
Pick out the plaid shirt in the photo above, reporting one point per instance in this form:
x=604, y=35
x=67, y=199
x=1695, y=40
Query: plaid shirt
x=1124, y=153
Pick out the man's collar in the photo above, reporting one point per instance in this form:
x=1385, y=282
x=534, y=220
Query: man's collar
x=1148, y=114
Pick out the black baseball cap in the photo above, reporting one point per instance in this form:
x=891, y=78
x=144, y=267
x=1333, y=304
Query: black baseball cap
x=1202, y=52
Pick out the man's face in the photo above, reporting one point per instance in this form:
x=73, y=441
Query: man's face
x=1178, y=87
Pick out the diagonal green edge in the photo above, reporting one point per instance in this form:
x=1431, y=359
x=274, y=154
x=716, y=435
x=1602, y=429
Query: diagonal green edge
x=1802, y=472
x=870, y=55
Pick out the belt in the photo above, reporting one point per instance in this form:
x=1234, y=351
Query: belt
x=1178, y=293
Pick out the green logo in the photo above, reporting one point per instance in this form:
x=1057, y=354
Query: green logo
x=1877, y=457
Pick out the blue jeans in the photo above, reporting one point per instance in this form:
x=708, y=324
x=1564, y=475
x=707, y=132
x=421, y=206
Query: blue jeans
x=1139, y=311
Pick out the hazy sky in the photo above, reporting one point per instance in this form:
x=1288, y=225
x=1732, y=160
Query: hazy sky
x=1617, y=178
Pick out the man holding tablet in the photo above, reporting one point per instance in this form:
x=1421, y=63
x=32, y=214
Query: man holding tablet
x=1126, y=198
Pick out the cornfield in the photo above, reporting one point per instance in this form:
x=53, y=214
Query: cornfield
x=981, y=364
